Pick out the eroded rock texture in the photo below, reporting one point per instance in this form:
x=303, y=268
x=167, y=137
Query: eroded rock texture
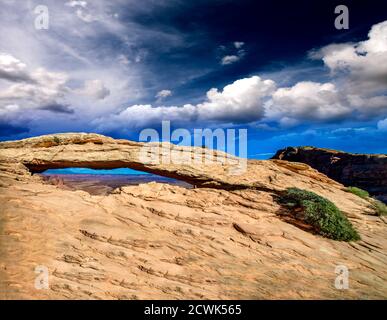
x=365, y=171
x=223, y=240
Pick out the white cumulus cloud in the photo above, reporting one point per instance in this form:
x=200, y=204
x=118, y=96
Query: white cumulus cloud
x=29, y=87
x=230, y=59
x=235, y=57
x=364, y=64
x=12, y=69
x=162, y=94
x=307, y=101
x=241, y=101
x=95, y=89
x=238, y=44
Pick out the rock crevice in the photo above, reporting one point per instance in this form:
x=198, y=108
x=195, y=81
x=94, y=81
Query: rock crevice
x=224, y=240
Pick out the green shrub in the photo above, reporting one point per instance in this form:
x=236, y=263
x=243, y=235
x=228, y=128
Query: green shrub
x=359, y=192
x=56, y=140
x=379, y=207
x=320, y=213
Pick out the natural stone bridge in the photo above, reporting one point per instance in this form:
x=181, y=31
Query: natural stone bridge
x=226, y=239
x=99, y=152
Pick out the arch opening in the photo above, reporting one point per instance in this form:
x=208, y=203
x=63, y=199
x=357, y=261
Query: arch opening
x=103, y=181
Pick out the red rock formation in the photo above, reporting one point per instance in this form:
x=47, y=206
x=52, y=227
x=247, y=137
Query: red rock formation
x=224, y=240
x=365, y=171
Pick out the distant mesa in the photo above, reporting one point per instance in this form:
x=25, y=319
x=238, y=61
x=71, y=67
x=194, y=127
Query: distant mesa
x=365, y=171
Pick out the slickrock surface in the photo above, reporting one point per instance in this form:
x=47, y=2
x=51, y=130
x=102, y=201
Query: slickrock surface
x=223, y=240
x=365, y=171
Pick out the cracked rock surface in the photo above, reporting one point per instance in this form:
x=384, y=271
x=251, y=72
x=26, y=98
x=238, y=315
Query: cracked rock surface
x=224, y=239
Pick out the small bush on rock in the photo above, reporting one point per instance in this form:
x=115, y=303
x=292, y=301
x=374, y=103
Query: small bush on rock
x=56, y=140
x=320, y=213
x=379, y=207
x=359, y=192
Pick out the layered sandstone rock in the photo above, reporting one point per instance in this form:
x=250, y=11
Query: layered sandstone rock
x=365, y=171
x=225, y=239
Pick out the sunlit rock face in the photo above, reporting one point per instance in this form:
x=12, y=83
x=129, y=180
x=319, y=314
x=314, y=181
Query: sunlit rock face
x=365, y=171
x=222, y=239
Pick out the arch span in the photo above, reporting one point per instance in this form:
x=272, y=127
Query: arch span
x=79, y=150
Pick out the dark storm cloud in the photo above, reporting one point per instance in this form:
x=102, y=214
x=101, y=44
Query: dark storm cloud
x=276, y=34
x=7, y=129
x=15, y=77
x=57, y=108
x=137, y=49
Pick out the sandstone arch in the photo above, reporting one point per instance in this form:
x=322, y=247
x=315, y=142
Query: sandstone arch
x=99, y=152
x=161, y=241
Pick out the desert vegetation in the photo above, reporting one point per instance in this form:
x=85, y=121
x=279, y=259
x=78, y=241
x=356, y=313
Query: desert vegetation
x=379, y=207
x=320, y=213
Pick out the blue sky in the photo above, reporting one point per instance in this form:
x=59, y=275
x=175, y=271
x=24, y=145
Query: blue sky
x=278, y=68
x=119, y=171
